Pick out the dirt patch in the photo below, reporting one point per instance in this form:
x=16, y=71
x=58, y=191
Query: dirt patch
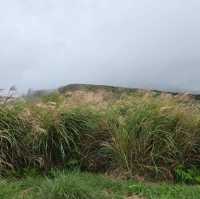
x=133, y=197
x=109, y=193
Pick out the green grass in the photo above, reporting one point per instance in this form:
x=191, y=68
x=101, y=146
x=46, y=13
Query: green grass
x=142, y=136
x=76, y=185
x=153, y=136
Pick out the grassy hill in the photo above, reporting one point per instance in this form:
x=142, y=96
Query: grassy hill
x=128, y=134
x=119, y=90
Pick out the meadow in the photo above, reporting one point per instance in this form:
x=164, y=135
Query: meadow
x=122, y=144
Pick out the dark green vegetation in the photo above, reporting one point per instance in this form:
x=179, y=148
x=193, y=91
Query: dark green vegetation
x=75, y=185
x=131, y=135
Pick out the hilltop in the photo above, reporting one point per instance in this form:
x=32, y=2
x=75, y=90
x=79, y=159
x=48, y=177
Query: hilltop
x=116, y=91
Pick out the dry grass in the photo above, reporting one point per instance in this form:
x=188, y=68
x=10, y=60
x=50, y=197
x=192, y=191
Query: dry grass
x=142, y=134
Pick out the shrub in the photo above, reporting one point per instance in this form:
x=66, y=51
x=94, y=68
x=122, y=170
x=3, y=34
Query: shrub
x=187, y=175
x=152, y=137
x=142, y=134
x=13, y=150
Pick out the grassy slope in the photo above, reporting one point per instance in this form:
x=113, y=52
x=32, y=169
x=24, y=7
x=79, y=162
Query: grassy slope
x=75, y=185
x=119, y=90
x=148, y=134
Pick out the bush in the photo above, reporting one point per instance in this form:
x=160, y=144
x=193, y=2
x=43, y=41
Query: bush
x=152, y=137
x=144, y=135
x=187, y=175
x=13, y=129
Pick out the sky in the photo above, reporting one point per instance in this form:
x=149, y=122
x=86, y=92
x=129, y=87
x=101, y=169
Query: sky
x=45, y=44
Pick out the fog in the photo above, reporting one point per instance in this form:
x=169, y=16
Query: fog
x=132, y=43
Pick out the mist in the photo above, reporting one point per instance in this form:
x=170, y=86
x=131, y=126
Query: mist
x=155, y=44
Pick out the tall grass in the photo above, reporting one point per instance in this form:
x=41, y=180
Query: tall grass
x=142, y=134
x=13, y=130
x=64, y=140
x=153, y=137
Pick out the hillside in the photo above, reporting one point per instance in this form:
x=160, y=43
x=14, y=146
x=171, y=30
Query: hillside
x=91, y=87
x=120, y=133
x=116, y=91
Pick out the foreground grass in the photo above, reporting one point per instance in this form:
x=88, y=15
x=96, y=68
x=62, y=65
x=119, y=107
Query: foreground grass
x=153, y=136
x=76, y=185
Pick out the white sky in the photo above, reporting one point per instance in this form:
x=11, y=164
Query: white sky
x=135, y=43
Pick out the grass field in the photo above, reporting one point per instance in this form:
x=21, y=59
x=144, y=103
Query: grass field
x=76, y=185
x=140, y=135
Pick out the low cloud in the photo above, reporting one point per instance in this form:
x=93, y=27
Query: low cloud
x=149, y=43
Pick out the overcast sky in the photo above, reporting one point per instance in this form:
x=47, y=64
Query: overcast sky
x=135, y=43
